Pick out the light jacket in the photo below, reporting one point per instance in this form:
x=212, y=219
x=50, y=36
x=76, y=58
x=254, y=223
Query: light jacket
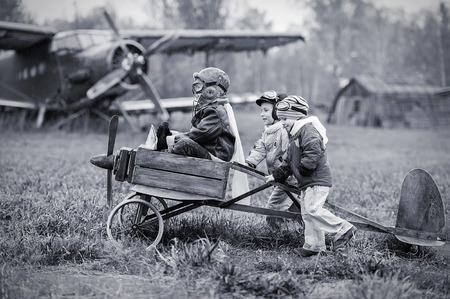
x=271, y=146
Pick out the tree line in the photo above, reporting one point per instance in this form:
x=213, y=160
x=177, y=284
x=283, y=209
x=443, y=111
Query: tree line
x=345, y=39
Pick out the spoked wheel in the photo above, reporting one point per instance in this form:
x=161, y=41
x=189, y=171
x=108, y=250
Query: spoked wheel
x=158, y=202
x=135, y=218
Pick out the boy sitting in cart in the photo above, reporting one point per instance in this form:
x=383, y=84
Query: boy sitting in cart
x=214, y=134
x=211, y=135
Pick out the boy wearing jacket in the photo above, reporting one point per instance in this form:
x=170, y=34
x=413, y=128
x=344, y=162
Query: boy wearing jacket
x=214, y=134
x=307, y=160
x=211, y=134
x=271, y=146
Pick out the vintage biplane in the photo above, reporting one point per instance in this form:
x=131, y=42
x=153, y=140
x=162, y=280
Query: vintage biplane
x=81, y=71
x=160, y=177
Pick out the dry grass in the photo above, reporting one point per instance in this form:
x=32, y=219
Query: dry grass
x=52, y=214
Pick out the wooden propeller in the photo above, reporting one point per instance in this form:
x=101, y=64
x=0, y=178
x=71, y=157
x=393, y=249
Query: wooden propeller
x=111, y=141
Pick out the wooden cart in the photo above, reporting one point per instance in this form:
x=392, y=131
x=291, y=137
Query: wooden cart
x=189, y=183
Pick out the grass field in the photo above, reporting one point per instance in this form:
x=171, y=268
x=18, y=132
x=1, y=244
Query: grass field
x=53, y=239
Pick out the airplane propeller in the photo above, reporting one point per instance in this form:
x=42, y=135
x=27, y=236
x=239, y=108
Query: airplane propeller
x=132, y=65
x=107, y=161
x=111, y=141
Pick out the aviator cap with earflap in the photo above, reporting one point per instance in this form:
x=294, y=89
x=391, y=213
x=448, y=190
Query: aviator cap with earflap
x=210, y=76
x=271, y=97
x=292, y=107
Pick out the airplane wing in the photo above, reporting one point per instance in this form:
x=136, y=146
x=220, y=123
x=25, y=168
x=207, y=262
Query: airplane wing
x=189, y=41
x=179, y=104
x=17, y=36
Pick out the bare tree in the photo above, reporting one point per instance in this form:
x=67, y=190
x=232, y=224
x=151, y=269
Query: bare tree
x=444, y=46
x=12, y=11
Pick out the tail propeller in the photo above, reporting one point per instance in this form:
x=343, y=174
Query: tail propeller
x=132, y=65
x=107, y=161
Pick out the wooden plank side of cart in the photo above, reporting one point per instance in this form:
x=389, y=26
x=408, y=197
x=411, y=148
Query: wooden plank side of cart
x=178, y=177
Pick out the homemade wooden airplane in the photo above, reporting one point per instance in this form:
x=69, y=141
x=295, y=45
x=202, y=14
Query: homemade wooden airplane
x=192, y=182
x=80, y=71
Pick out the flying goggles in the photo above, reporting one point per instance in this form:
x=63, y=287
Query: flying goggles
x=270, y=95
x=285, y=106
x=199, y=85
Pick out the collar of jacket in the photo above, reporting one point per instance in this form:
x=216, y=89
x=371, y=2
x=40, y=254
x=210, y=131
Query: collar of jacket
x=277, y=125
x=218, y=101
x=316, y=123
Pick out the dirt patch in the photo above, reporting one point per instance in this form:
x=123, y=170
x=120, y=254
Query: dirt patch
x=70, y=282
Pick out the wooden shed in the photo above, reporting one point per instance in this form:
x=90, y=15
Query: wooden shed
x=369, y=101
x=441, y=107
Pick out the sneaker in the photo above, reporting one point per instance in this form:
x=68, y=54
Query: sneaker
x=344, y=238
x=305, y=252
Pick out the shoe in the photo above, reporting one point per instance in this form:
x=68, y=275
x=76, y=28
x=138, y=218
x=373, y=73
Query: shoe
x=344, y=238
x=305, y=252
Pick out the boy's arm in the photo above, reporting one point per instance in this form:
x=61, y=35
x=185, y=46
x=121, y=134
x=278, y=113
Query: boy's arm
x=313, y=150
x=281, y=173
x=257, y=154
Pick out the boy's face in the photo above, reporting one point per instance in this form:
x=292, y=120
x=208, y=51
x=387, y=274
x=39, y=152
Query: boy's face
x=266, y=113
x=287, y=123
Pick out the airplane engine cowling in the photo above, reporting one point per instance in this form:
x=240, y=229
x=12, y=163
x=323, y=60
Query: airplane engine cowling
x=117, y=59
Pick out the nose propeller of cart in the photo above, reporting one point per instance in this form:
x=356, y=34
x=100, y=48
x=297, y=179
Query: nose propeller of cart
x=103, y=161
x=107, y=161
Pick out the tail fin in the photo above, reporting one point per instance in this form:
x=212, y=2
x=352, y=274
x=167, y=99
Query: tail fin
x=420, y=211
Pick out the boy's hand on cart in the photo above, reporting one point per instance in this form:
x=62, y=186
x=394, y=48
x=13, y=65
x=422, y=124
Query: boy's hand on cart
x=270, y=178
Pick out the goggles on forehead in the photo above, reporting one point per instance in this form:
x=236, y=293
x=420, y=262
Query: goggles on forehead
x=270, y=95
x=285, y=106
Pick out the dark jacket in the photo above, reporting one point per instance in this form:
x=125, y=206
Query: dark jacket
x=306, y=159
x=211, y=129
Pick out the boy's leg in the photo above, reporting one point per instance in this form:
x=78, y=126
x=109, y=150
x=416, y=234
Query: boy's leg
x=314, y=236
x=320, y=217
x=280, y=201
x=188, y=147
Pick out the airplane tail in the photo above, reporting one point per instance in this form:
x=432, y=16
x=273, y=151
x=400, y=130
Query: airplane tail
x=421, y=214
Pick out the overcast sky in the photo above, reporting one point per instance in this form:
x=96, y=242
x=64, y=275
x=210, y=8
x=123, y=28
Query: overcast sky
x=280, y=12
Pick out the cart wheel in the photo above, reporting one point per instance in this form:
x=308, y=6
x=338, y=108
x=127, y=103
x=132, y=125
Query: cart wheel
x=128, y=220
x=157, y=202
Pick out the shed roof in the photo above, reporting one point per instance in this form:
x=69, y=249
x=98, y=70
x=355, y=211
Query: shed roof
x=444, y=91
x=378, y=86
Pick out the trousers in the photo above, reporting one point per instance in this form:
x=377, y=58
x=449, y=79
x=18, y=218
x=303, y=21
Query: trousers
x=188, y=147
x=319, y=220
